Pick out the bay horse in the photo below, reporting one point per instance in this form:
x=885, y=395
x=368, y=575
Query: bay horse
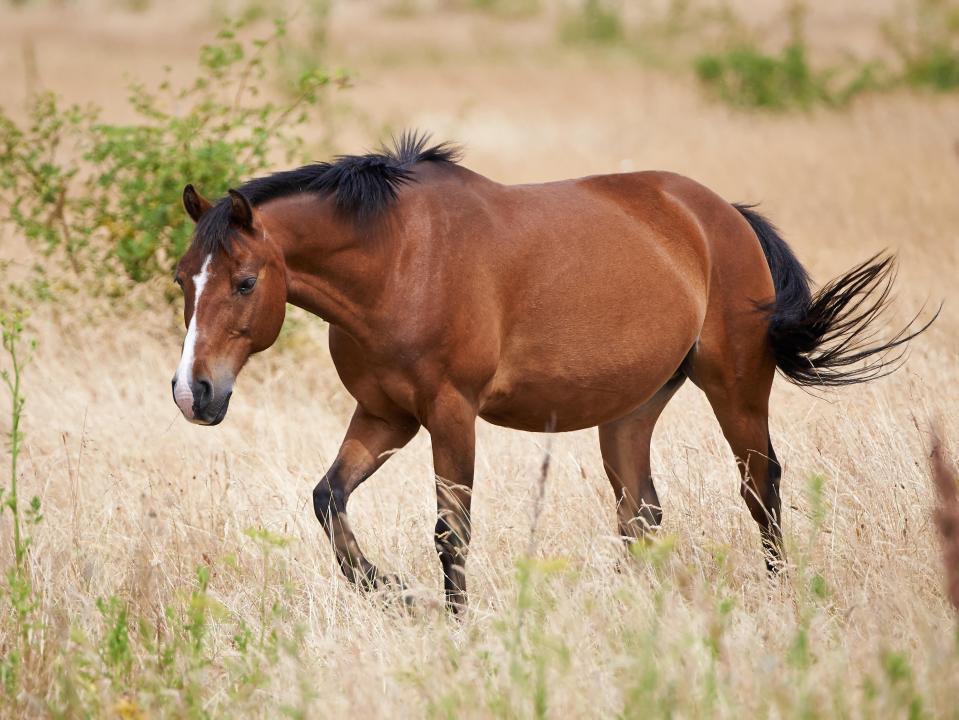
x=555, y=306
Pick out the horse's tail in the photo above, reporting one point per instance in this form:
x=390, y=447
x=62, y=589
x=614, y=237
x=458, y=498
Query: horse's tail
x=827, y=338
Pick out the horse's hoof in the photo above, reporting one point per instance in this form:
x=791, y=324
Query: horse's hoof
x=392, y=586
x=389, y=581
x=457, y=611
x=456, y=604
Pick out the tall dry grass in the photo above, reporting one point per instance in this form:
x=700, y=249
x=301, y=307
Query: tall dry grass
x=135, y=500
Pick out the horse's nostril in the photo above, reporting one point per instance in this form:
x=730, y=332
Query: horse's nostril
x=203, y=393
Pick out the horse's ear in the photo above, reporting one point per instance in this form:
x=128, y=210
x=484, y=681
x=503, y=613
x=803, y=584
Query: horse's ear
x=241, y=212
x=194, y=203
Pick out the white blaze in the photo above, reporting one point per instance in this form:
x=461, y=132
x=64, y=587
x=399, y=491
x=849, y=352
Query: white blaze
x=183, y=390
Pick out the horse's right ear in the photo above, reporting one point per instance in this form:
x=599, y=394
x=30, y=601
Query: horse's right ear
x=196, y=205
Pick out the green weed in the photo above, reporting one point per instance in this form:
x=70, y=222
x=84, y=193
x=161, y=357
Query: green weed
x=21, y=596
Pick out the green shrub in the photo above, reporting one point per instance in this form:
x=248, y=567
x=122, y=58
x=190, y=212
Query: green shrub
x=116, y=213
x=505, y=8
x=743, y=74
x=597, y=22
x=939, y=70
x=925, y=39
x=304, y=54
x=746, y=76
x=927, y=44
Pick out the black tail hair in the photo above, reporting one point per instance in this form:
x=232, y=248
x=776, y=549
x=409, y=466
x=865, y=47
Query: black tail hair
x=826, y=339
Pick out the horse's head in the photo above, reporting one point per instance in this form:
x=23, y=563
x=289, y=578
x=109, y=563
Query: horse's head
x=234, y=288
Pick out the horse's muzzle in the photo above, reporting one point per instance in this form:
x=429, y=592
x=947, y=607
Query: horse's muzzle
x=200, y=403
x=213, y=413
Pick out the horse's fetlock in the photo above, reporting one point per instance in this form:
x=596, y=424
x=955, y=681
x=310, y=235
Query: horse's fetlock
x=651, y=516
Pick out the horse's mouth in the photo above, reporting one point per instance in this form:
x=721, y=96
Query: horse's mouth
x=216, y=416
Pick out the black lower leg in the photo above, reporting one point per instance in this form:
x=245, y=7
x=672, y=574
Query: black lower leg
x=772, y=536
x=452, y=538
x=329, y=505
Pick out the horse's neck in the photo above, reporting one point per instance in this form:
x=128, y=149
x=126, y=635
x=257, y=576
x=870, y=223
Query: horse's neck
x=330, y=272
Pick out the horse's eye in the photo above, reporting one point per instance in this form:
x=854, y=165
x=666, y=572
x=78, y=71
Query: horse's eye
x=178, y=281
x=246, y=286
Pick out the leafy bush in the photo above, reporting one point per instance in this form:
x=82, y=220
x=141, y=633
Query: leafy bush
x=743, y=74
x=303, y=52
x=747, y=77
x=925, y=38
x=927, y=44
x=505, y=8
x=593, y=21
x=737, y=69
x=104, y=198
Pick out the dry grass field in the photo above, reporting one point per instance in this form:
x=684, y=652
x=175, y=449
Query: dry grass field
x=135, y=499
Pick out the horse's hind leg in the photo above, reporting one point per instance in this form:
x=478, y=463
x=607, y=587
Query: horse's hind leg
x=747, y=432
x=625, y=444
x=737, y=385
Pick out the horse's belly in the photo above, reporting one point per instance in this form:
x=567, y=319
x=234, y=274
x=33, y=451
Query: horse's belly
x=563, y=393
x=526, y=408
x=585, y=356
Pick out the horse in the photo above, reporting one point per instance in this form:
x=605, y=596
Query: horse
x=541, y=307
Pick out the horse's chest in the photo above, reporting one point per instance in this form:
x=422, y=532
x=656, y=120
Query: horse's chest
x=383, y=382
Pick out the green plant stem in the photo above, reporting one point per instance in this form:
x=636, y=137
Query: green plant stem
x=11, y=335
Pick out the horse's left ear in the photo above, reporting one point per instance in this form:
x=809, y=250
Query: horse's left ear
x=241, y=212
x=194, y=203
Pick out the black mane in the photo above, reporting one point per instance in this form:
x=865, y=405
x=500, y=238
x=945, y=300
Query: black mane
x=361, y=185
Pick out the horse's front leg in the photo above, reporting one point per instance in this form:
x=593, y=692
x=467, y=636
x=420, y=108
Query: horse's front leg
x=452, y=426
x=369, y=442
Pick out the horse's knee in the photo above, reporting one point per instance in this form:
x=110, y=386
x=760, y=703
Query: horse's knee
x=328, y=500
x=322, y=499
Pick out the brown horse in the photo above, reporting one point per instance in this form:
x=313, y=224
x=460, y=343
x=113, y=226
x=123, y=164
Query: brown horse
x=558, y=306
